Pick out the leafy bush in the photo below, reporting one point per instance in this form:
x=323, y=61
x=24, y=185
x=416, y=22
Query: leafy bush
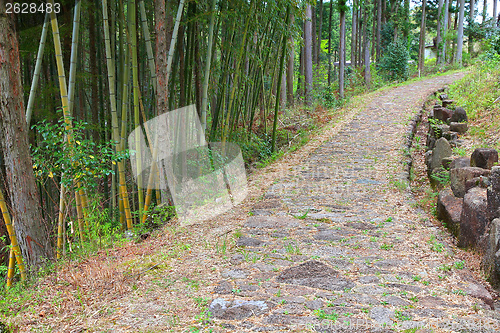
x=394, y=61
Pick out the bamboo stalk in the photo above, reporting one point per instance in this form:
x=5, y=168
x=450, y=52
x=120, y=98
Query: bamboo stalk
x=60, y=223
x=12, y=235
x=206, y=79
x=114, y=117
x=11, y=267
x=38, y=68
x=135, y=83
x=149, y=48
x=74, y=51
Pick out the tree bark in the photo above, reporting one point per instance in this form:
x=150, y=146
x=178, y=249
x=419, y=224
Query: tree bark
x=485, y=10
x=308, y=54
x=421, y=44
x=440, y=33
x=470, y=42
x=354, y=33
x=495, y=18
x=460, y=33
x=290, y=68
x=330, y=44
x=32, y=233
x=342, y=48
x=320, y=28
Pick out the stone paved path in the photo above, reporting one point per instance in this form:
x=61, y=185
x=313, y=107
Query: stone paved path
x=336, y=246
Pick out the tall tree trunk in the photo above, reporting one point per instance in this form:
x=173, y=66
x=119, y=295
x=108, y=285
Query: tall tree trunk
x=94, y=102
x=342, y=48
x=330, y=44
x=485, y=10
x=460, y=33
x=354, y=33
x=421, y=44
x=472, y=14
x=290, y=67
x=161, y=57
x=379, y=27
x=32, y=233
x=320, y=30
x=308, y=55
x=495, y=18
x=314, y=35
x=440, y=33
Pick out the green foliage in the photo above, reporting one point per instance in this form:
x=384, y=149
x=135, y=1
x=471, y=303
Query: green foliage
x=83, y=161
x=394, y=61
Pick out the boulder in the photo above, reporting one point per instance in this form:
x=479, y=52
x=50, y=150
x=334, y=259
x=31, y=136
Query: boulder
x=436, y=130
x=459, y=176
x=446, y=162
x=480, y=181
x=449, y=210
x=442, y=150
x=431, y=142
x=450, y=136
x=459, y=116
x=443, y=96
x=491, y=259
x=442, y=114
x=460, y=162
x=494, y=193
x=459, y=127
x=474, y=221
x=484, y=158
x=447, y=102
x=428, y=159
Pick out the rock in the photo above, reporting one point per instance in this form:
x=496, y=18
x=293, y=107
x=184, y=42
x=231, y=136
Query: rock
x=249, y=241
x=459, y=116
x=476, y=182
x=442, y=150
x=314, y=304
x=447, y=102
x=316, y=275
x=474, y=220
x=439, y=176
x=428, y=159
x=459, y=127
x=237, y=309
x=223, y=287
x=443, y=96
x=450, y=136
x=446, y=162
x=491, y=259
x=234, y=274
x=442, y=114
x=449, y=210
x=484, y=158
x=459, y=176
x=436, y=131
x=460, y=162
x=478, y=291
x=382, y=315
x=431, y=142
x=494, y=193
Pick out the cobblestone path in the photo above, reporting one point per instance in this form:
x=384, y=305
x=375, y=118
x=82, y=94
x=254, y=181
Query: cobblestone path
x=336, y=245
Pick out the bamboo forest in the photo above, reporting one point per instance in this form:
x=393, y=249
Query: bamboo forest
x=129, y=128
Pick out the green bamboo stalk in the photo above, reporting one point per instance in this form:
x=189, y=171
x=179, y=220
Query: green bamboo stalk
x=38, y=68
x=74, y=51
x=114, y=116
x=149, y=48
x=60, y=222
x=206, y=79
x=135, y=83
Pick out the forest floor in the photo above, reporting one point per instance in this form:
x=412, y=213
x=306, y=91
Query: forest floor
x=329, y=239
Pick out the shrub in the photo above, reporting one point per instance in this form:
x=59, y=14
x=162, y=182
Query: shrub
x=394, y=61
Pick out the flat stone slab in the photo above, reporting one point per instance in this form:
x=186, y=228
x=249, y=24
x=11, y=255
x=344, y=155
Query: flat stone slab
x=238, y=309
x=268, y=222
x=316, y=275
